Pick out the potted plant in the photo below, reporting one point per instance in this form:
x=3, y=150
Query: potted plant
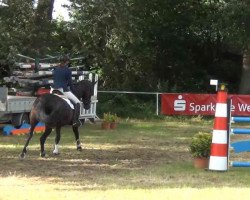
x=200, y=149
x=109, y=121
x=113, y=121
x=106, y=121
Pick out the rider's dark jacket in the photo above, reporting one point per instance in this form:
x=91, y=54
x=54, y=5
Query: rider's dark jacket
x=62, y=78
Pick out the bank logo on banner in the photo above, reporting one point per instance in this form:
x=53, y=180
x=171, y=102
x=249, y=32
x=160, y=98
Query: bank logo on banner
x=180, y=104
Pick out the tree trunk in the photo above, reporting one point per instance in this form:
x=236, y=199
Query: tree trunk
x=245, y=77
x=50, y=11
x=43, y=25
x=45, y=9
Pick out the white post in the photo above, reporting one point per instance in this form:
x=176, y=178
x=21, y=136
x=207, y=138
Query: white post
x=95, y=88
x=157, y=104
x=215, y=83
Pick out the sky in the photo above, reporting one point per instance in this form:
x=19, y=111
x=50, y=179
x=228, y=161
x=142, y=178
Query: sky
x=2, y=3
x=59, y=10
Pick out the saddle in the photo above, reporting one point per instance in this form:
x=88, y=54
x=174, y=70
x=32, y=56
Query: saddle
x=61, y=95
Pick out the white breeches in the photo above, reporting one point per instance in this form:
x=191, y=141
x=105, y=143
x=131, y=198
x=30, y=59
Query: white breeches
x=69, y=95
x=72, y=97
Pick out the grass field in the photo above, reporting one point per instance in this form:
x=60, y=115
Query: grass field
x=138, y=160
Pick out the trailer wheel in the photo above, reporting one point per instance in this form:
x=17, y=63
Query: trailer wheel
x=19, y=119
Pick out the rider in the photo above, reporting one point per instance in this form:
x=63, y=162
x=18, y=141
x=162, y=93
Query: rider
x=62, y=78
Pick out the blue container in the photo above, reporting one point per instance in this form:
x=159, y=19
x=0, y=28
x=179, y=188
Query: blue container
x=7, y=130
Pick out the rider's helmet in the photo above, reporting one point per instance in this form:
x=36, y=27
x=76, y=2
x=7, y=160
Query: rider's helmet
x=65, y=58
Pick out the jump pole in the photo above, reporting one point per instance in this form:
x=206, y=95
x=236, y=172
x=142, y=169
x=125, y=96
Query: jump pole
x=239, y=164
x=240, y=119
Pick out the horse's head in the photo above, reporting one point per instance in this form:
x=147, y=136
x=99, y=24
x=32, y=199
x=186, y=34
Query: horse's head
x=84, y=90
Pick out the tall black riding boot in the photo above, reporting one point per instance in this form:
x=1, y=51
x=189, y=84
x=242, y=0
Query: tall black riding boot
x=76, y=121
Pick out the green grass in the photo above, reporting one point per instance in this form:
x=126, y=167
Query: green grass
x=138, y=160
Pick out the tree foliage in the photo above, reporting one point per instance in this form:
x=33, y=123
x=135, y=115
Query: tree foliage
x=174, y=45
x=144, y=45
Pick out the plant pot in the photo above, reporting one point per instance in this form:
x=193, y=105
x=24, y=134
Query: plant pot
x=113, y=125
x=201, y=163
x=105, y=125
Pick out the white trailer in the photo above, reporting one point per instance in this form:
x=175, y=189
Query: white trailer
x=14, y=109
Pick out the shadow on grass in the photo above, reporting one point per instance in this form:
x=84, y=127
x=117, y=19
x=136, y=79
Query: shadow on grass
x=136, y=164
x=136, y=155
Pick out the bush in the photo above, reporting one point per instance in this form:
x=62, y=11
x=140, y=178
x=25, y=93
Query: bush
x=125, y=105
x=109, y=117
x=200, y=145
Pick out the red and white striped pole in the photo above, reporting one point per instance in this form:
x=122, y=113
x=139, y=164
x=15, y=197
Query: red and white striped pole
x=219, y=148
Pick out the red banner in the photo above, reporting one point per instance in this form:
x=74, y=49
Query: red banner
x=201, y=104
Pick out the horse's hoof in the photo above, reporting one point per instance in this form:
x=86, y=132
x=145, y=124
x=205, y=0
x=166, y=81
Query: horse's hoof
x=56, y=154
x=22, y=155
x=43, y=154
x=79, y=148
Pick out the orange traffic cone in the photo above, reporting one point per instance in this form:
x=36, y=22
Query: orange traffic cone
x=219, y=148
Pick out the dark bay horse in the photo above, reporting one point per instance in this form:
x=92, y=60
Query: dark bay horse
x=55, y=112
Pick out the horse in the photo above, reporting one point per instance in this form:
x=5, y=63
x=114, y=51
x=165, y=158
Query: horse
x=55, y=112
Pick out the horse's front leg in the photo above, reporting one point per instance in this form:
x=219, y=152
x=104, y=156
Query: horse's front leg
x=43, y=139
x=78, y=143
x=57, y=140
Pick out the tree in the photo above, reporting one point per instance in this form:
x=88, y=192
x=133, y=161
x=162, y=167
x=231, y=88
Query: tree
x=174, y=45
x=43, y=25
x=24, y=27
x=245, y=24
x=245, y=78
x=171, y=46
x=15, y=26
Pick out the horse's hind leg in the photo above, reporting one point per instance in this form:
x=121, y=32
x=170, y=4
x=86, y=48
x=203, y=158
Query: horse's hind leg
x=43, y=139
x=33, y=125
x=57, y=140
x=78, y=143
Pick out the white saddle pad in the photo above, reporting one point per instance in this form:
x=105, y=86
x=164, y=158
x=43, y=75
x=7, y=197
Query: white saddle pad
x=67, y=100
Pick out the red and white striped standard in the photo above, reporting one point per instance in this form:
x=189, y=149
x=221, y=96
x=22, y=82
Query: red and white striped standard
x=219, y=148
